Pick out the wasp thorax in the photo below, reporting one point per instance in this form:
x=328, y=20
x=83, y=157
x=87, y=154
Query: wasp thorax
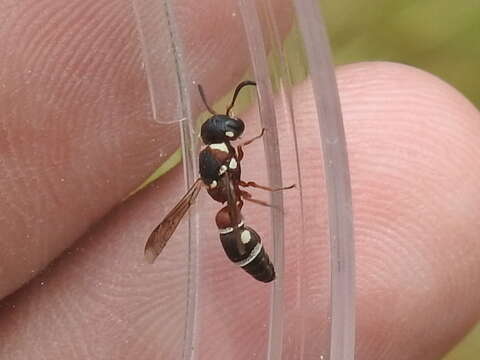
x=221, y=128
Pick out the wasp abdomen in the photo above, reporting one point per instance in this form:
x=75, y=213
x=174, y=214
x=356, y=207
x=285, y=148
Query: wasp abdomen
x=250, y=255
x=261, y=268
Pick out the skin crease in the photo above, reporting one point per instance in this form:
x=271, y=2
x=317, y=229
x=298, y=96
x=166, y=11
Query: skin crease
x=413, y=150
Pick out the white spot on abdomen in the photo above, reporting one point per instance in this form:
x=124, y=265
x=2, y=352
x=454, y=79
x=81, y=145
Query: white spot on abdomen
x=213, y=184
x=246, y=236
x=229, y=134
x=221, y=146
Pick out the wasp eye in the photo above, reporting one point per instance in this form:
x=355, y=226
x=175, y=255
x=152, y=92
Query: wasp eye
x=234, y=128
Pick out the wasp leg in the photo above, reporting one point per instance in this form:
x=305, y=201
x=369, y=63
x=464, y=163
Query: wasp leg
x=260, y=202
x=255, y=185
x=240, y=146
x=248, y=197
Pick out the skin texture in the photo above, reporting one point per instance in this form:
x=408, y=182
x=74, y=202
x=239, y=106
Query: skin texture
x=77, y=137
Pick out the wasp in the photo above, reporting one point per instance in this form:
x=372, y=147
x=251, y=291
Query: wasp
x=220, y=174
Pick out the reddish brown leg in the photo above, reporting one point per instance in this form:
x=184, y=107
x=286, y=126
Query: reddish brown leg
x=240, y=146
x=260, y=202
x=239, y=153
x=248, y=142
x=255, y=185
x=248, y=197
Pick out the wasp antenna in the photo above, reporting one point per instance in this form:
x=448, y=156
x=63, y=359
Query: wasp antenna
x=237, y=90
x=202, y=95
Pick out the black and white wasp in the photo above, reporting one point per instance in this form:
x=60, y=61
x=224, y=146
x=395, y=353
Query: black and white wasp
x=220, y=173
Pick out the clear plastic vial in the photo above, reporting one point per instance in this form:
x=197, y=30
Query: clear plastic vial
x=308, y=311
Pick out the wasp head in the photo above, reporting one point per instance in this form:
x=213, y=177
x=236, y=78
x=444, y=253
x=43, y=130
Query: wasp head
x=221, y=128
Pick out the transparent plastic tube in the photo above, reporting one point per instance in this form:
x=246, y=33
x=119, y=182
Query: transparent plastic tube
x=162, y=57
x=342, y=342
x=293, y=318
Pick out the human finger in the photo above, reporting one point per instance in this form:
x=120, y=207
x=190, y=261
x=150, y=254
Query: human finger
x=78, y=134
x=417, y=249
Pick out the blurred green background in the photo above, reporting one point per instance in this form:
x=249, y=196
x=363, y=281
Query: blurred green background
x=439, y=36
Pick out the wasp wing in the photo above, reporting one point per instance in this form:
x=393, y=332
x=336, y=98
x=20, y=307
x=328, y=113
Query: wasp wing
x=233, y=202
x=162, y=233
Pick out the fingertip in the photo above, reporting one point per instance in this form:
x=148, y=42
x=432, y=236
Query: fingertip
x=413, y=150
x=412, y=144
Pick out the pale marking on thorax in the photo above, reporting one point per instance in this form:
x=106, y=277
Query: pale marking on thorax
x=233, y=163
x=223, y=169
x=221, y=146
